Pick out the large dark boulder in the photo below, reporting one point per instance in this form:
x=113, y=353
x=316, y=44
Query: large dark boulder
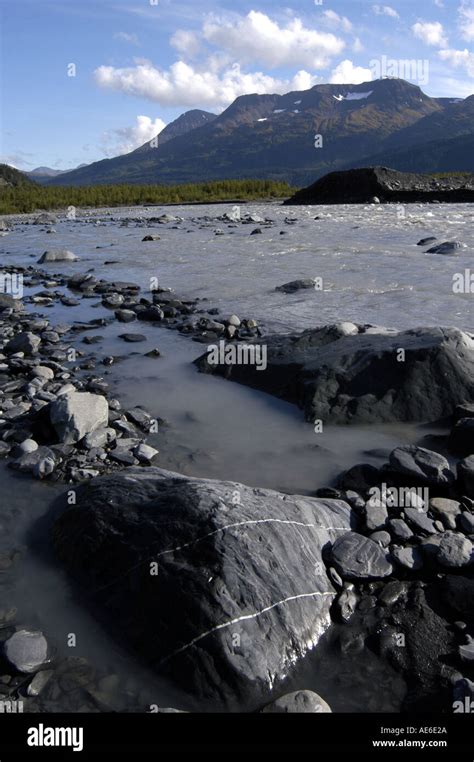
x=360, y=186
x=219, y=586
x=360, y=378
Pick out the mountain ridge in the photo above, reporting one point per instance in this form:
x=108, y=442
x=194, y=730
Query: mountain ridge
x=274, y=136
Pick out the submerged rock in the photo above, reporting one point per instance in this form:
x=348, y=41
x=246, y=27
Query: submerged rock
x=416, y=375
x=296, y=285
x=218, y=585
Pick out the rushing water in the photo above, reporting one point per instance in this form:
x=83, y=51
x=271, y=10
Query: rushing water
x=372, y=272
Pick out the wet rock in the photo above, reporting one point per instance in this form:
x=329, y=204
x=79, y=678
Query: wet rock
x=132, y=338
x=426, y=241
x=420, y=521
x=25, y=342
x=455, y=550
x=57, y=255
x=77, y=414
x=400, y=529
x=26, y=650
x=376, y=515
x=46, y=219
x=8, y=302
x=466, y=476
x=296, y=285
x=299, y=702
x=41, y=371
x=151, y=238
x=461, y=440
x=237, y=597
x=422, y=465
x=39, y=682
x=145, y=454
x=409, y=558
x=153, y=353
x=69, y=301
x=100, y=438
x=466, y=522
x=41, y=463
x=125, y=316
x=381, y=538
x=466, y=652
x=27, y=446
x=346, y=603
x=445, y=510
x=358, y=557
x=448, y=247
x=113, y=300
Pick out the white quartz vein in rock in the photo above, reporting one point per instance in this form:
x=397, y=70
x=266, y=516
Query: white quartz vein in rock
x=242, y=619
x=247, y=523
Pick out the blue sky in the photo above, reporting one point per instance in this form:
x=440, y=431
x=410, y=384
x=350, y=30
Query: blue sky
x=141, y=63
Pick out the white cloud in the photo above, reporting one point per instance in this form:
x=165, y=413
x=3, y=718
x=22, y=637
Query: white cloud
x=439, y=3
x=385, y=10
x=184, y=85
x=126, y=139
x=346, y=73
x=126, y=37
x=256, y=38
x=466, y=20
x=333, y=19
x=357, y=46
x=431, y=32
x=459, y=59
x=186, y=43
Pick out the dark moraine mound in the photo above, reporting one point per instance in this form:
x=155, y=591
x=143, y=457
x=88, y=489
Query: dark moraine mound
x=346, y=373
x=221, y=587
x=361, y=186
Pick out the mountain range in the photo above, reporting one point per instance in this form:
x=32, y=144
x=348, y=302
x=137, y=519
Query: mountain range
x=300, y=136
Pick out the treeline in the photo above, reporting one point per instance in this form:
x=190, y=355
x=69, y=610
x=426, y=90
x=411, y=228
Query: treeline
x=30, y=198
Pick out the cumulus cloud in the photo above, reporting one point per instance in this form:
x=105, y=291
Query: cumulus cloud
x=430, y=32
x=185, y=42
x=333, y=19
x=126, y=139
x=466, y=20
x=346, y=73
x=385, y=10
x=459, y=59
x=256, y=38
x=184, y=85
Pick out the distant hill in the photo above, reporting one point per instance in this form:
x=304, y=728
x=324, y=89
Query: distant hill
x=43, y=174
x=12, y=178
x=386, y=121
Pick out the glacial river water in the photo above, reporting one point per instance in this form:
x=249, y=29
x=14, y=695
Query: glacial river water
x=372, y=272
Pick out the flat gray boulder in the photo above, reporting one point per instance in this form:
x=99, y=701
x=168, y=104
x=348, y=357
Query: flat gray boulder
x=77, y=414
x=365, y=377
x=219, y=586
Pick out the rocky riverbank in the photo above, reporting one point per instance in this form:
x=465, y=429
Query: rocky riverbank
x=240, y=583
x=382, y=185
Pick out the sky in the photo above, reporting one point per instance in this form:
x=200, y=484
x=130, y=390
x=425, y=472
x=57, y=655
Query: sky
x=83, y=80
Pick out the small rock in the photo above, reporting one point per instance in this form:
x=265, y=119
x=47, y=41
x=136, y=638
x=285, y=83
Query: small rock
x=299, y=702
x=132, y=338
x=409, y=558
x=454, y=550
x=26, y=650
x=357, y=557
x=57, y=255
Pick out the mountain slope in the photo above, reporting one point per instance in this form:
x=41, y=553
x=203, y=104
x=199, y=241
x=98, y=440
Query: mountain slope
x=11, y=177
x=273, y=136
